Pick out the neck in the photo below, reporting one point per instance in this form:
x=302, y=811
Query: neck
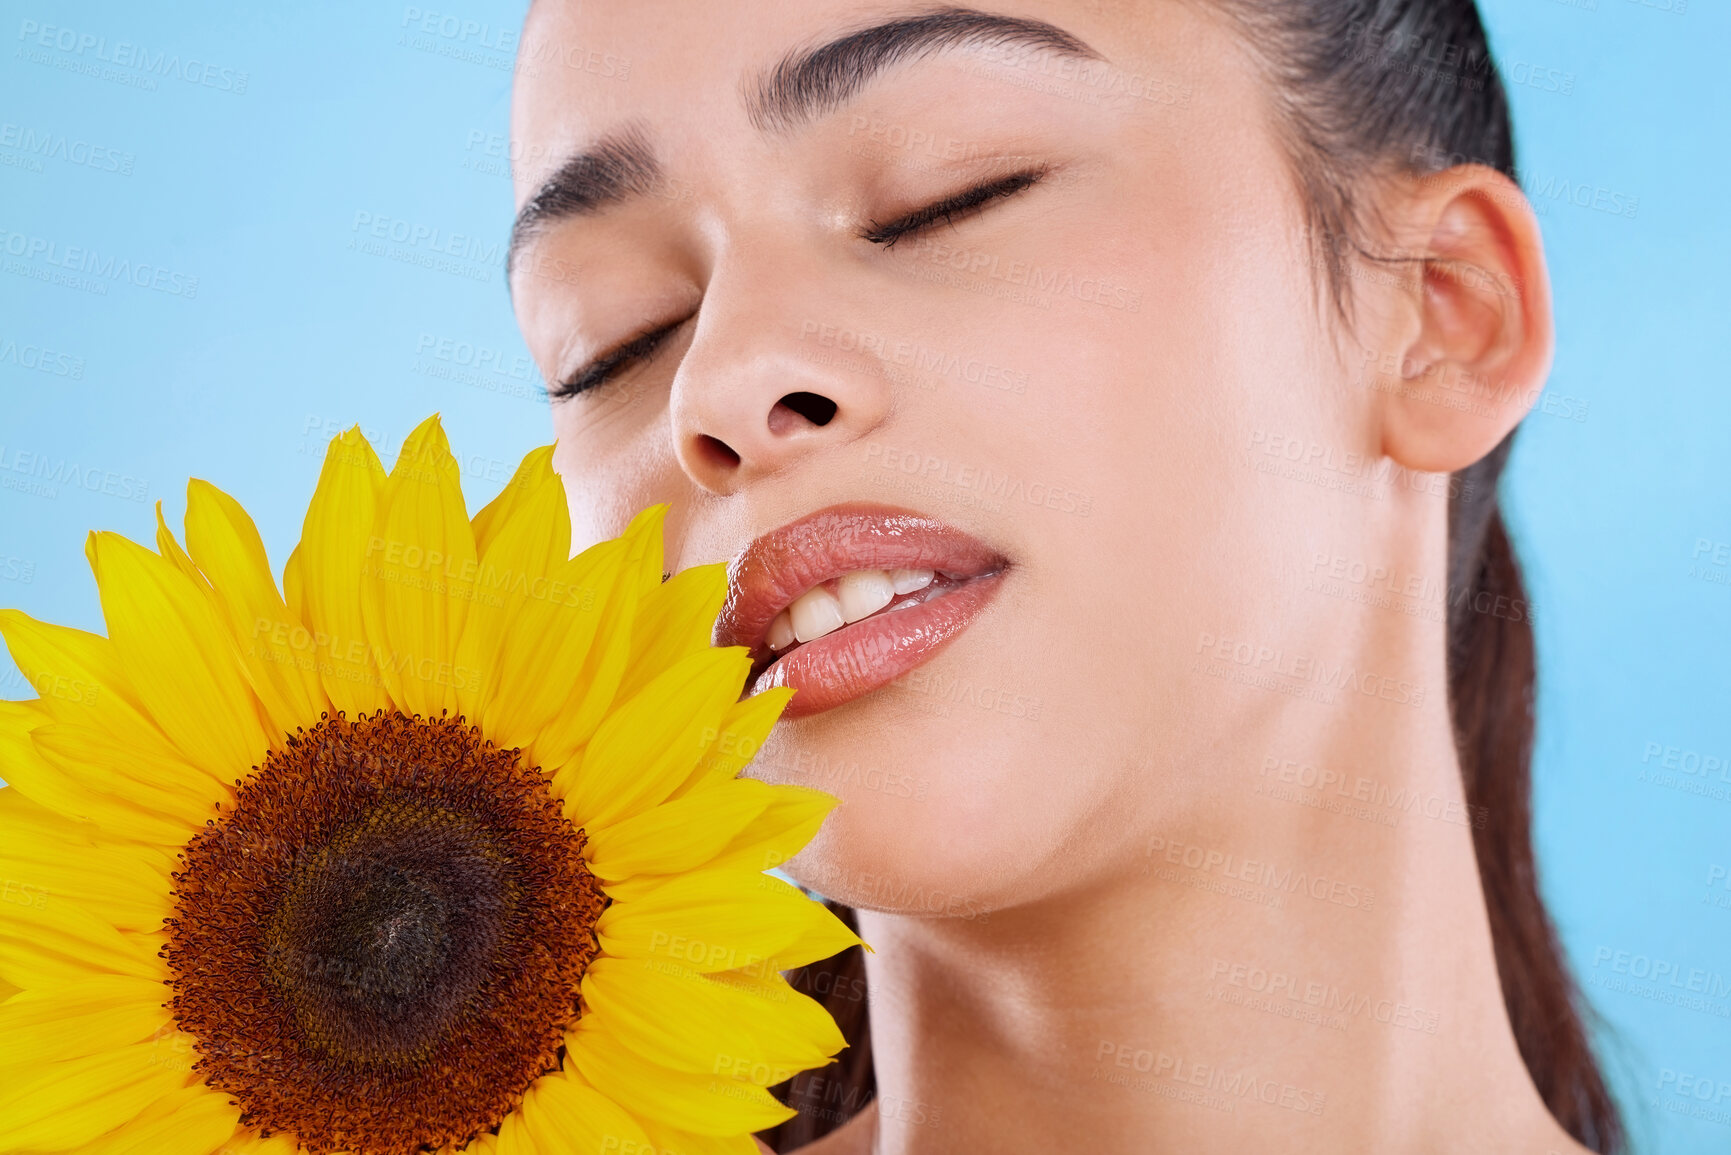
x=1300, y=961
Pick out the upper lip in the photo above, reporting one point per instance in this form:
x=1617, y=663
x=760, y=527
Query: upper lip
x=776, y=568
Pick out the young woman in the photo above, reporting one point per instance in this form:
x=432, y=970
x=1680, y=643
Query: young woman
x=1101, y=403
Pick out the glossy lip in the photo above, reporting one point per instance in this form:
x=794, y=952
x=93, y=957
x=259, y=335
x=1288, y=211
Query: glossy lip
x=781, y=565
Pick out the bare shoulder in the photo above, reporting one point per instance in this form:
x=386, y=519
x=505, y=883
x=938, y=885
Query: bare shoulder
x=852, y=1138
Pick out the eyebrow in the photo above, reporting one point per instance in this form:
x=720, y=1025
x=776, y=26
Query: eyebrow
x=801, y=87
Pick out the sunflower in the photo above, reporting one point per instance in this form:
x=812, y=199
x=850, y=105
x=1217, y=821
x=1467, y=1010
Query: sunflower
x=439, y=848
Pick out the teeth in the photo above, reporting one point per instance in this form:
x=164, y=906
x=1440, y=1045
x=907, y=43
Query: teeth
x=815, y=613
x=857, y=595
x=863, y=593
x=906, y=581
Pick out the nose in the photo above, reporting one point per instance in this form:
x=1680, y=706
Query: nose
x=762, y=385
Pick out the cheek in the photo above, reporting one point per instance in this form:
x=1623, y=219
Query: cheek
x=1147, y=419
x=604, y=490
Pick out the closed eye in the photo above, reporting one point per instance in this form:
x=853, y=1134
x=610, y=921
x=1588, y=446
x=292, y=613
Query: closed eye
x=950, y=209
x=613, y=362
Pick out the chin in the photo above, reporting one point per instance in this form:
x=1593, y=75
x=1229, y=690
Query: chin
x=939, y=817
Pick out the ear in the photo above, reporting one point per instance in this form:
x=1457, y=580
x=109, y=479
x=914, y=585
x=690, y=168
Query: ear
x=1463, y=353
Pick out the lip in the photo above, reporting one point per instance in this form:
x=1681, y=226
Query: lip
x=778, y=567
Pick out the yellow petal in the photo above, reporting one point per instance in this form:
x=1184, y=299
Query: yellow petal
x=163, y=784
x=294, y=592
x=171, y=551
x=196, y=1121
x=789, y=822
x=514, y=1137
x=708, y=1104
x=246, y=1141
x=62, y=1106
x=36, y=831
x=566, y=1115
x=713, y=921
x=82, y=684
x=610, y=653
x=528, y=540
x=675, y=618
x=78, y=676
x=645, y=533
x=97, y=1013
x=224, y=542
x=177, y=658
x=419, y=574
x=25, y=771
x=610, y=657
x=677, y=1018
x=549, y=647
x=824, y=937
x=95, y=885
x=671, y=1141
x=51, y=941
x=676, y=835
x=484, y=1144
x=790, y=1019
x=648, y=746
x=159, y=1108
x=526, y=487
x=64, y=664
x=334, y=542
x=744, y=728
x=123, y=884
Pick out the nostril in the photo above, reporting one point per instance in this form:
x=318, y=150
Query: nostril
x=718, y=452
x=815, y=409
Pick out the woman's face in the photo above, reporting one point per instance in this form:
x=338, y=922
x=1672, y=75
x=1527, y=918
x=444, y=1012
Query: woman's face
x=1085, y=373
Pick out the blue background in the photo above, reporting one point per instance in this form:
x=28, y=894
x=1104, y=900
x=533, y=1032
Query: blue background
x=260, y=171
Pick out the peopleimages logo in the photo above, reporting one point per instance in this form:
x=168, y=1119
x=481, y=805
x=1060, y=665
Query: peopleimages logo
x=47, y=145
x=41, y=359
x=1661, y=980
x=414, y=243
x=1581, y=194
x=1258, y=873
x=43, y=475
x=449, y=26
x=85, y=52
x=1038, y=280
x=88, y=262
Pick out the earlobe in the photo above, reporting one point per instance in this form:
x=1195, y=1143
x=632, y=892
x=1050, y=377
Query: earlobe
x=1475, y=348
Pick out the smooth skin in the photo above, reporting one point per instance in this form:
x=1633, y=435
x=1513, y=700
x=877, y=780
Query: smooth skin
x=1181, y=684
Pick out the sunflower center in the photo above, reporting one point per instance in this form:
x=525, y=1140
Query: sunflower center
x=386, y=931
x=379, y=946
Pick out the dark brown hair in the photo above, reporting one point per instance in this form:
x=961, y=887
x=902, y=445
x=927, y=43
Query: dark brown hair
x=1364, y=87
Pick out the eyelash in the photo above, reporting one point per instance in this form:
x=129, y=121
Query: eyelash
x=607, y=366
x=949, y=210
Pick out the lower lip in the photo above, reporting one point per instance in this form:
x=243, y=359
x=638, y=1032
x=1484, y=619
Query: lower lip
x=875, y=651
